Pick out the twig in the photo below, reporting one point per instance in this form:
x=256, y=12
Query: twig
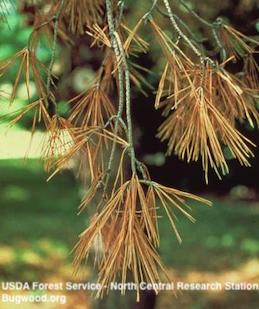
x=214, y=26
x=54, y=45
x=115, y=47
x=121, y=6
x=202, y=20
x=179, y=31
x=222, y=50
x=45, y=23
x=187, y=28
x=147, y=15
x=128, y=102
x=120, y=120
x=140, y=167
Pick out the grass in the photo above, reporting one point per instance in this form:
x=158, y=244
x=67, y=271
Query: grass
x=39, y=227
x=31, y=208
x=226, y=234
x=39, y=222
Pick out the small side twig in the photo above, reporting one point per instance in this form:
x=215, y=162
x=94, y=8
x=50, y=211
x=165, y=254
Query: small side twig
x=179, y=31
x=54, y=45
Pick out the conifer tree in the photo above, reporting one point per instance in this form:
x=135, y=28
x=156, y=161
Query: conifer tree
x=201, y=99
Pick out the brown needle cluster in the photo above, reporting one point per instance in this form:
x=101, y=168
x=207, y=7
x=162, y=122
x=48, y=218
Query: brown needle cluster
x=29, y=68
x=236, y=43
x=92, y=108
x=127, y=231
x=81, y=14
x=202, y=103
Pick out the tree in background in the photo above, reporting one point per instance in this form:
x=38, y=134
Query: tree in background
x=201, y=99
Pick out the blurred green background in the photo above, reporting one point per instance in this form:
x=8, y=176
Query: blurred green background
x=39, y=227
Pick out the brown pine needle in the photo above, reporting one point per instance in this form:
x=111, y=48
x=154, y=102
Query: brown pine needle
x=30, y=68
x=91, y=108
x=127, y=225
x=202, y=105
x=81, y=14
x=236, y=43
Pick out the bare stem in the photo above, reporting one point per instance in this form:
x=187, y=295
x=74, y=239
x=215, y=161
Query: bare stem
x=128, y=103
x=122, y=70
x=214, y=26
x=179, y=31
x=183, y=24
x=147, y=15
x=54, y=45
x=116, y=49
x=202, y=20
x=115, y=117
x=222, y=50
